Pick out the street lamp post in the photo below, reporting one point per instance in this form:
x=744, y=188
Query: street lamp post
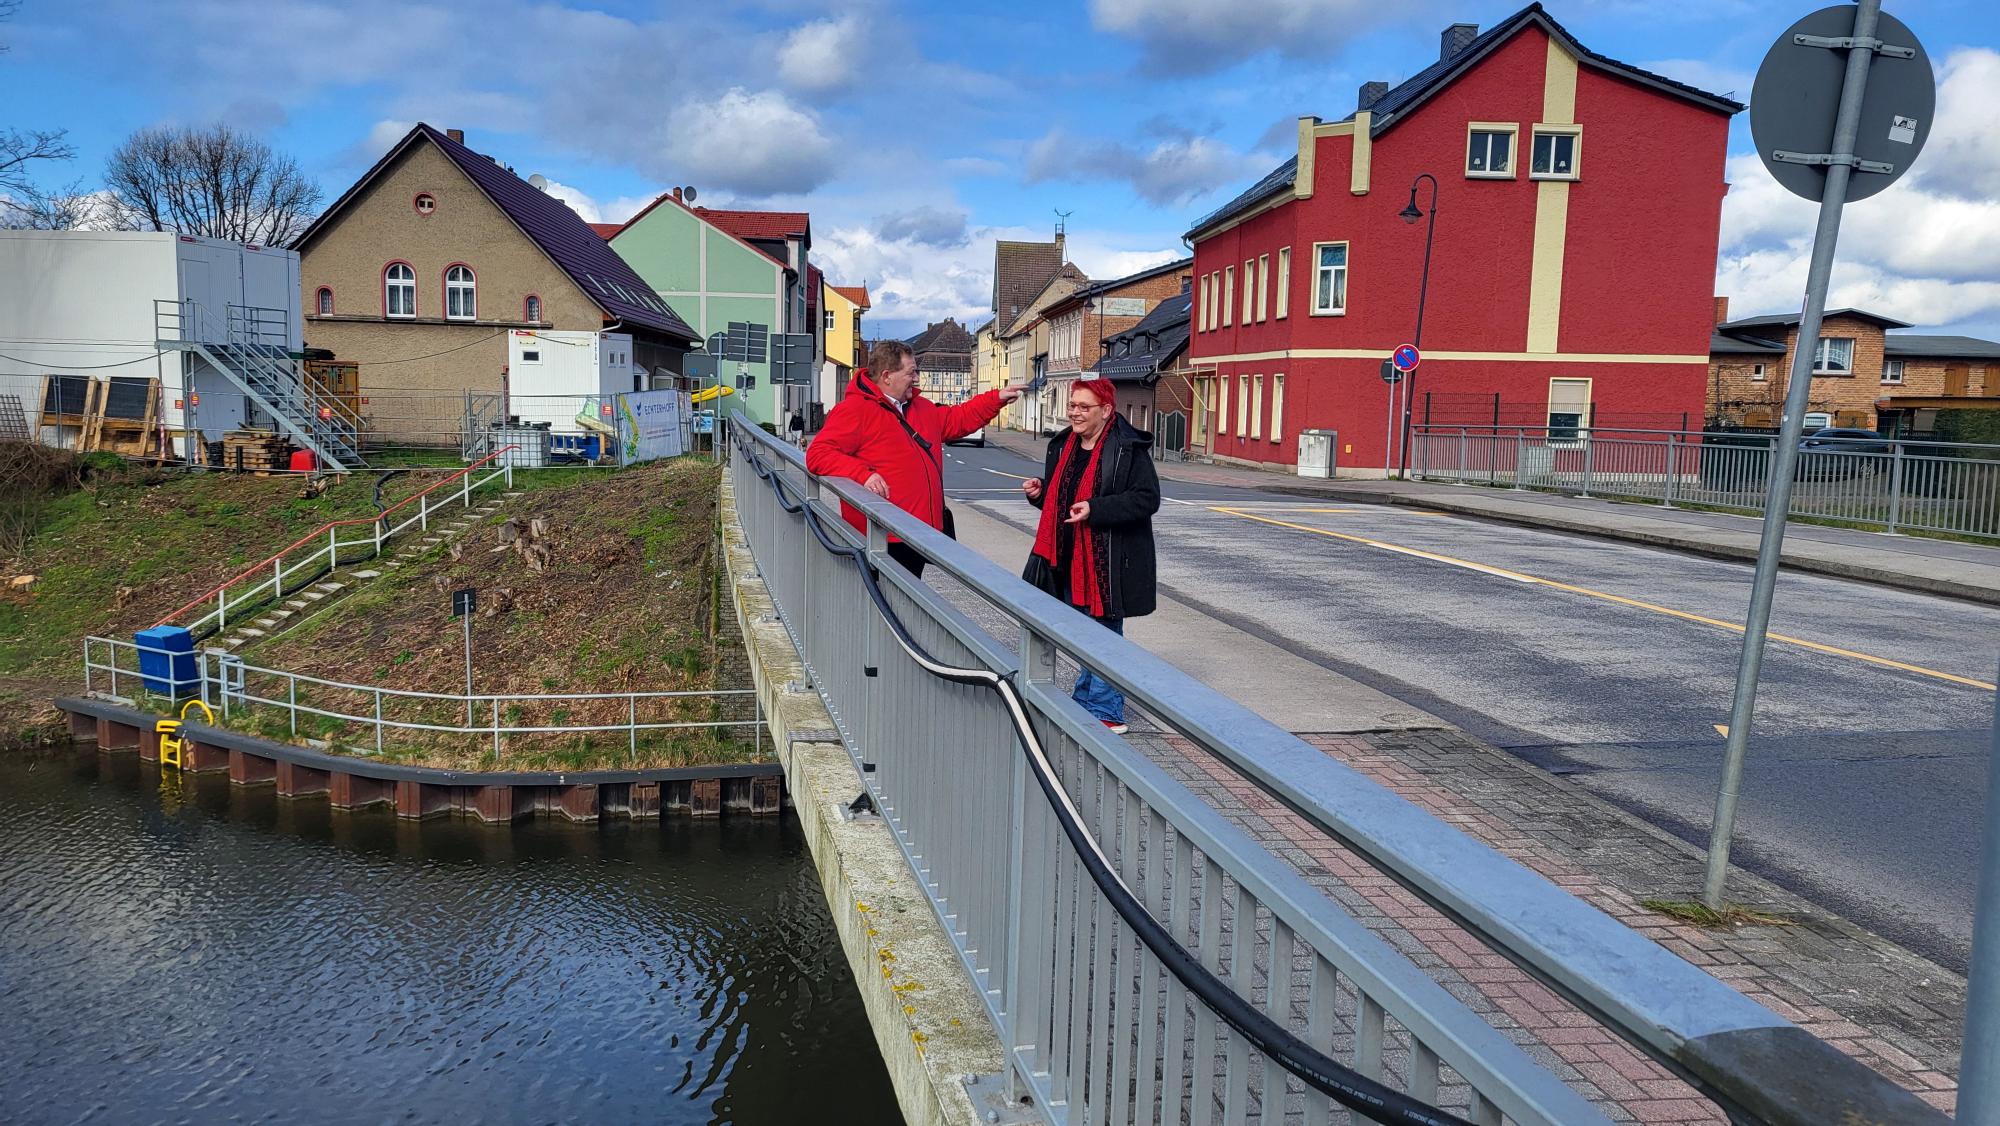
x=1410, y=214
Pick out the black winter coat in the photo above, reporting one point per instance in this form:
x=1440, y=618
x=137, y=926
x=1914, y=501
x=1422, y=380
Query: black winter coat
x=1122, y=503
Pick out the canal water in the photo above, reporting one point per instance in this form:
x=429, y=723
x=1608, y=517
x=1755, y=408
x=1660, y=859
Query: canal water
x=182, y=950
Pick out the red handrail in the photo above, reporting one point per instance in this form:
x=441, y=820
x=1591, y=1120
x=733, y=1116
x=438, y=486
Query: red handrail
x=322, y=530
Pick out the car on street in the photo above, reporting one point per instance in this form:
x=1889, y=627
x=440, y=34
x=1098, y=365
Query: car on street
x=976, y=438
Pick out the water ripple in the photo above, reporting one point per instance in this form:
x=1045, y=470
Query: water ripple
x=180, y=950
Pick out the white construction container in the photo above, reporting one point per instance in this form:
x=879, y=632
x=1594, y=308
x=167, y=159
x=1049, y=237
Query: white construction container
x=82, y=304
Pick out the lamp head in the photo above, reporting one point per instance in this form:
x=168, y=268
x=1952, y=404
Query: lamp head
x=1409, y=213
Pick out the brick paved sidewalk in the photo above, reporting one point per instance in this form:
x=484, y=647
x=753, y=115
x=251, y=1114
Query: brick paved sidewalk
x=1894, y=1011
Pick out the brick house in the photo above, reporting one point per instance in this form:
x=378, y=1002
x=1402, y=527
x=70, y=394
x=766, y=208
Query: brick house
x=1026, y=342
x=1865, y=374
x=432, y=270
x=1148, y=364
x=1082, y=321
x=1556, y=169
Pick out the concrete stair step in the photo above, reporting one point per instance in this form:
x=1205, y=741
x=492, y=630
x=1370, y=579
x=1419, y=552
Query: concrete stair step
x=296, y=604
x=314, y=596
x=251, y=632
x=367, y=574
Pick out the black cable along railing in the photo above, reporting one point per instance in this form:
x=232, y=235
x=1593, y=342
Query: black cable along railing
x=1350, y=1088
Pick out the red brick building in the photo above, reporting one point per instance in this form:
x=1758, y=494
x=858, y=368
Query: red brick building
x=1577, y=211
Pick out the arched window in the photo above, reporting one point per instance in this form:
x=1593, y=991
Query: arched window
x=399, y=290
x=532, y=310
x=459, y=302
x=325, y=301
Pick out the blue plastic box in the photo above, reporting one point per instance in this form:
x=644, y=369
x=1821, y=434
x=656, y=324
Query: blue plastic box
x=166, y=661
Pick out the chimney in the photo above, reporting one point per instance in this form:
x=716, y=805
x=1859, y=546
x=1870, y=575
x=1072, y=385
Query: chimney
x=1061, y=254
x=1456, y=38
x=1371, y=92
x=1721, y=310
x=456, y=135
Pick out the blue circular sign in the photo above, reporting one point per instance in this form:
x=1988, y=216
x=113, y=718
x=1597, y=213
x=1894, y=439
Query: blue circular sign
x=1406, y=358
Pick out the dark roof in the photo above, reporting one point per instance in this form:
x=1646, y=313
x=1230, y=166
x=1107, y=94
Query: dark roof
x=1787, y=320
x=1723, y=344
x=548, y=222
x=1392, y=108
x=945, y=336
x=1279, y=178
x=1940, y=347
x=1066, y=272
x=1095, y=289
x=1020, y=271
x=1151, y=344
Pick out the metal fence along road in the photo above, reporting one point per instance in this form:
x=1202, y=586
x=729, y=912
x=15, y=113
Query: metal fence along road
x=1936, y=487
x=232, y=686
x=1117, y=1008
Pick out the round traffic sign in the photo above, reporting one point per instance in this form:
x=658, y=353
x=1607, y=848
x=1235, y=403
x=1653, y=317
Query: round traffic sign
x=1406, y=358
x=1797, y=95
x=1389, y=372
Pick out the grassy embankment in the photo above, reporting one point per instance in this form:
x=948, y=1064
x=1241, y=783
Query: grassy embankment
x=616, y=594
x=111, y=549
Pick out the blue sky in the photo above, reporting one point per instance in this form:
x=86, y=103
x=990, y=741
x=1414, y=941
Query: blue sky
x=917, y=133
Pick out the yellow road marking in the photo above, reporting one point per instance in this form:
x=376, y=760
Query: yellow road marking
x=1519, y=577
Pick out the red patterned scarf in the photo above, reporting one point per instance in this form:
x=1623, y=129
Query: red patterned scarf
x=1083, y=588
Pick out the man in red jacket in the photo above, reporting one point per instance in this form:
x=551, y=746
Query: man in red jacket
x=890, y=438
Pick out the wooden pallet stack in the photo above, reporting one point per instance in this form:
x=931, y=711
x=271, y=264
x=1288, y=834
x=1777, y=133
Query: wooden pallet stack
x=256, y=449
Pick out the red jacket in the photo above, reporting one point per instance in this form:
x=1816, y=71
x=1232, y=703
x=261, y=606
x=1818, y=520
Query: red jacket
x=863, y=436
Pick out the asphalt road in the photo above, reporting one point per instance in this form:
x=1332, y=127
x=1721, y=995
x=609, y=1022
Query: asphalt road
x=1614, y=664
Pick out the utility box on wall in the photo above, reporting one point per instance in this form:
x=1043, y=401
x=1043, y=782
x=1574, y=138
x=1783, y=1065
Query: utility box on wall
x=1316, y=456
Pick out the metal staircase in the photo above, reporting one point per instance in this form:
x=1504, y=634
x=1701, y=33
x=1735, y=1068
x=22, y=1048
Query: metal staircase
x=247, y=345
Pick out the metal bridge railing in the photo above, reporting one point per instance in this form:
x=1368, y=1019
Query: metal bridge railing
x=232, y=686
x=1941, y=487
x=1098, y=1025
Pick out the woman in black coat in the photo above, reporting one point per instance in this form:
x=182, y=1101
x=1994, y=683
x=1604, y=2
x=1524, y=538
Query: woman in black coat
x=1094, y=545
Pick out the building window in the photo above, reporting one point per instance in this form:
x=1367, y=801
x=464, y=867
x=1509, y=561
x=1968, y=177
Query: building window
x=1249, y=289
x=1228, y=292
x=1757, y=373
x=425, y=203
x=1834, y=356
x=1257, y=408
x=1569, y=410
x=829, y=320
x=1263, y=286
x=531, y=355
x=399, y=290
x=1201, y=322
x=1489, y=150
x=1277, y=407
x=531, y=309
x=1242, y=405
x=459, y=303
x=1220, y=413
x=1892, y=371
x=1284, y=282
x=324, y=301
x=1555, y=156
x=1330, y=287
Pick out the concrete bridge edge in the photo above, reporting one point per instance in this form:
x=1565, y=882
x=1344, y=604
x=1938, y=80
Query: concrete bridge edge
x=929, y=1022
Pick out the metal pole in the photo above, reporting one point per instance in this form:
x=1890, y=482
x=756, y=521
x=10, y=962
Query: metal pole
x=1744, y=707
x=1895, y=487
x=468, y=668
x=1423, y=291
x=1389, y=432
x=1979, y=1058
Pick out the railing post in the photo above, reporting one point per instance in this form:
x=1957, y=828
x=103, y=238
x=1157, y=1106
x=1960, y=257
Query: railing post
x=292, y=701
x=222, y=607
x=496, y=728
x=378, y=721
x=1464, y=451
x=465, y=488
x=1589, y=455
x=1673, y=471
x=277, y=578
x=424, y=512
x=332, y=547
x=1520, y=448
x=1895, y=487
x=632, y=728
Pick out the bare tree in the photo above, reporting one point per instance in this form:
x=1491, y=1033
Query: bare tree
x=213, y=181
x=66, y=208
x=19, y=148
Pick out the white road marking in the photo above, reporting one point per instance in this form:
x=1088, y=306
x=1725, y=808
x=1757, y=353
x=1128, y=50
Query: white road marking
x=1176, y=500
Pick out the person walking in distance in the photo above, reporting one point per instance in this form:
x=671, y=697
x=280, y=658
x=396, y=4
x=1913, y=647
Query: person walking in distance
x=1094, y=545
x=887, y=436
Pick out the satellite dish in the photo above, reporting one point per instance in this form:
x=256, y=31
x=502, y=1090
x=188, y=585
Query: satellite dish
x=688, y=193
x=539, y=182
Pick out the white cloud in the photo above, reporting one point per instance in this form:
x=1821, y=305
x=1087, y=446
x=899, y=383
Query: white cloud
x=1169, y=174
x=618, y=210
x=932, y=226
x=1926, y=250
x=822, y=56
x=756, y=144
x=1201, y=35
